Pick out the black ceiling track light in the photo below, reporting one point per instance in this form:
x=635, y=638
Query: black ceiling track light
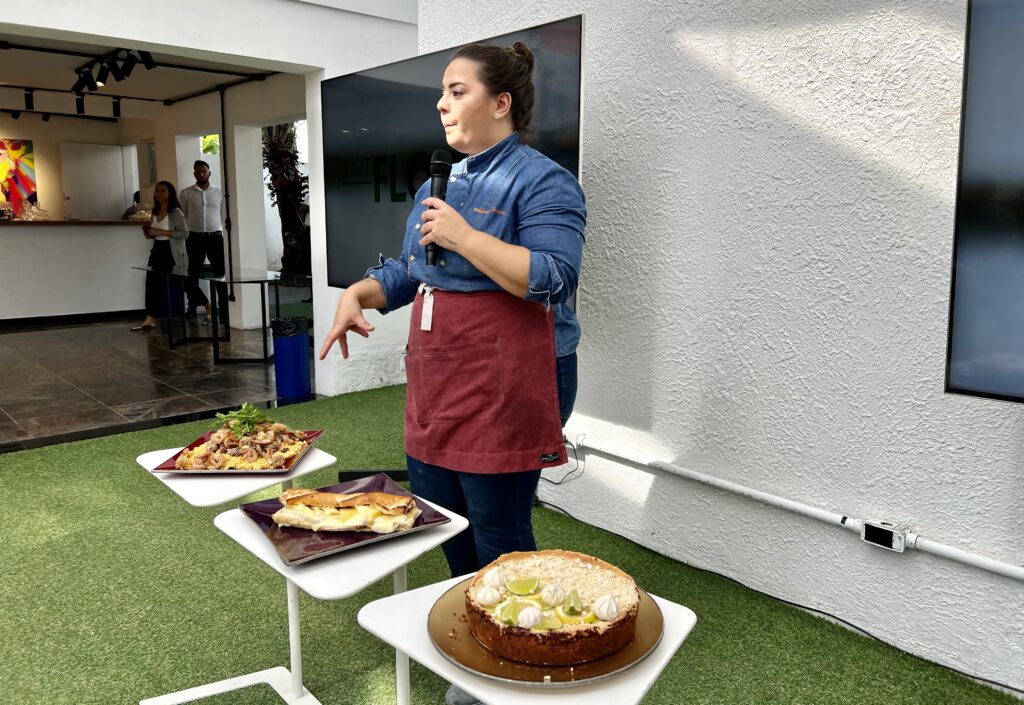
x=117, y=64
x=85, y=82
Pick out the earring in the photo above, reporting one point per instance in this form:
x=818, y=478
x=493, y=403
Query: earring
x=497, y=116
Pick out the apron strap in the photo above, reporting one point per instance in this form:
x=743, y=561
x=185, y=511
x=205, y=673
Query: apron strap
x=427, y=313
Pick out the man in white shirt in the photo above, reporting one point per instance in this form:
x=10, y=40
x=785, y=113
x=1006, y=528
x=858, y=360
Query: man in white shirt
x=203, y=206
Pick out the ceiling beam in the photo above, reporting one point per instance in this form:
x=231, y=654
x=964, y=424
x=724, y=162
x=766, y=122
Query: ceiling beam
x=94, y=58
x=47, y=113
x=98, y=95
x=215, y=89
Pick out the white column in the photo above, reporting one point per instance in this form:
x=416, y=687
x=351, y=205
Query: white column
x=249, y=233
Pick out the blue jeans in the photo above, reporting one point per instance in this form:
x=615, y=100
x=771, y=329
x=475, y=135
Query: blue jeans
x=498, y=506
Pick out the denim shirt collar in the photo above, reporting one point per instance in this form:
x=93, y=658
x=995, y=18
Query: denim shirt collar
x=480, y=162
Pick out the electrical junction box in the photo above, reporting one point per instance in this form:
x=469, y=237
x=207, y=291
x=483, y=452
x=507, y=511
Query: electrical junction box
x=885, y=535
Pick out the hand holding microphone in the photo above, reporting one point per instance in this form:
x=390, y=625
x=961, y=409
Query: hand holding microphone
x=440, y=170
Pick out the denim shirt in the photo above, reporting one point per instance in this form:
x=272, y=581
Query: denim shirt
x=518, y=195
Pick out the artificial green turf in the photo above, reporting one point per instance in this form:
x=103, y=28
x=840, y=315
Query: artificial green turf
x=114, y=589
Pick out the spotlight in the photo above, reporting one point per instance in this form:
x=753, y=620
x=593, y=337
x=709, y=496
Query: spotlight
x=85, y=82
x=46, y=117
x=147, y=60
x=15, y=114
x=117, y=107
x=30, y=102
x=128, y=63
x=80, y=104
x=102, y=76
x=111, y=64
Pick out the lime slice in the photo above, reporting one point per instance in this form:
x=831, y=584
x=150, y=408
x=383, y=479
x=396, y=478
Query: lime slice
x=590, y=618
x=510, y=613
x=573, y=604
x=568, y=618
x=547, y=624
x=533, y=600
x=522, y=586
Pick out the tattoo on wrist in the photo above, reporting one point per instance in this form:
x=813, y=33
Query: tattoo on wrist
x=449, y=241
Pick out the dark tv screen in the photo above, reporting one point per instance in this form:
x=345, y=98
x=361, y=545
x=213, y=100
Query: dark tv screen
x=985, y=352
x=382, y=125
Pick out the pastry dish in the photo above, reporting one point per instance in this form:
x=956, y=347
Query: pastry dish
x=552, y=607
x=376, y=512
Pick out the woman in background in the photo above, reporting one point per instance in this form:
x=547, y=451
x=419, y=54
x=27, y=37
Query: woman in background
x=168, y=233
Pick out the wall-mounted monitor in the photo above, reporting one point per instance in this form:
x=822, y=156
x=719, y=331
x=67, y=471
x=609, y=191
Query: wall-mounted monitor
x=985, y=351
x=382, y=125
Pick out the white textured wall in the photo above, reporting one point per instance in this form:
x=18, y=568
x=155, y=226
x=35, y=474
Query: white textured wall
x=770, y=187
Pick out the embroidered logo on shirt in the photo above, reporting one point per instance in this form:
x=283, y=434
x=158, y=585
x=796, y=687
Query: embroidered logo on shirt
x=484, y=211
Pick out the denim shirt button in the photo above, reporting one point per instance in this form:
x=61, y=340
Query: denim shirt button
x=417, y=226
x=452, y=179
x=412, y=258
x=441, y=263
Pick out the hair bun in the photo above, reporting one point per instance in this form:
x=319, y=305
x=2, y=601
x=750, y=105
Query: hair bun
x=524, y=53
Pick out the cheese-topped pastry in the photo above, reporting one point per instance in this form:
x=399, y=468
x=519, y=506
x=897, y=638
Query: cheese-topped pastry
x=377, y=512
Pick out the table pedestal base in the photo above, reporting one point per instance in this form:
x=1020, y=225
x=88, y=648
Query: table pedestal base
x=287, y=684
x=279, y=678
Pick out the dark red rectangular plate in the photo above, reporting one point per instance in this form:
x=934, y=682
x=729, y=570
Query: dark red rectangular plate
x=300, y=545
x=168, y=465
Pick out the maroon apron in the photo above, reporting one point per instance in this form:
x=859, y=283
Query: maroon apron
x=481, y=394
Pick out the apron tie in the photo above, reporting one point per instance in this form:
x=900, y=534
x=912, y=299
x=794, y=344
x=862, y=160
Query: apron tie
x=427, y=314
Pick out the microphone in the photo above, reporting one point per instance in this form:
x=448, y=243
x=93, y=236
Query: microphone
x=440, y=170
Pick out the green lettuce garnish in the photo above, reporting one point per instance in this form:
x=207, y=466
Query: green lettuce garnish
x=245, y=419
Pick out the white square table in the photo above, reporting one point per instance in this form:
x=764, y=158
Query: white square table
x=329, y=578
x=202, y=490
x=388, y=619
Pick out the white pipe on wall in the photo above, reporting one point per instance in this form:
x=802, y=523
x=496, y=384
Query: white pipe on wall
x=913, y=540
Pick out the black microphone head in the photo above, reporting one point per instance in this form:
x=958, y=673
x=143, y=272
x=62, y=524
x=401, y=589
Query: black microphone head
x=441, y=163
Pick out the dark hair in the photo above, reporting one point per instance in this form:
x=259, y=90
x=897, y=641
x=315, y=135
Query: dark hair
x=136, y=197
x=199, y=163
x=506, y=70
x=172, y=198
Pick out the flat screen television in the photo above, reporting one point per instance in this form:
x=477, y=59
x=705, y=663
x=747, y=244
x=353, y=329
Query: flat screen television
x=382, y=125
x=985, y=350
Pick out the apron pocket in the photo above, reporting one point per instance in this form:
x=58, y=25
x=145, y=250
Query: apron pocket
x=455, y=383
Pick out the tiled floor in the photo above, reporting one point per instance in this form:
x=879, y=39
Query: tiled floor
x=91, y=379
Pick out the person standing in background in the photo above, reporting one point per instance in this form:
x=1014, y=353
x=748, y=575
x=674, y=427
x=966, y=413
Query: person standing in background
x=131, y=210
x=203, y=206
x=167, y=231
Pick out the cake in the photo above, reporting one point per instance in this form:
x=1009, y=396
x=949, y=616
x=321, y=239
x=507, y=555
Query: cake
x=553, y=608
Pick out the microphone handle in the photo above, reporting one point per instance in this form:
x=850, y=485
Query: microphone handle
x=438, y=189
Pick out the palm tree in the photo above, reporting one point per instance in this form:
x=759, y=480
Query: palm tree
x=288, y=188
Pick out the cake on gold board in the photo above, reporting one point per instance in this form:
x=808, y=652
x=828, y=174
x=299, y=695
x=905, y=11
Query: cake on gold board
x=555, y=608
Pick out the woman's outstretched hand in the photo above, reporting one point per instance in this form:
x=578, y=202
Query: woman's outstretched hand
x=348, y=317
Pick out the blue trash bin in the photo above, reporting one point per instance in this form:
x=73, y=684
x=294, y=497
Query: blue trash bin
x=291, y=357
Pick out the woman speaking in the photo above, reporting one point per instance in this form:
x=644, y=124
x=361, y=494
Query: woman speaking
x=491, y=363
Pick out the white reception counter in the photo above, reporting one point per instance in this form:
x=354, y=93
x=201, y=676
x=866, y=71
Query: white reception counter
x=66, y=267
